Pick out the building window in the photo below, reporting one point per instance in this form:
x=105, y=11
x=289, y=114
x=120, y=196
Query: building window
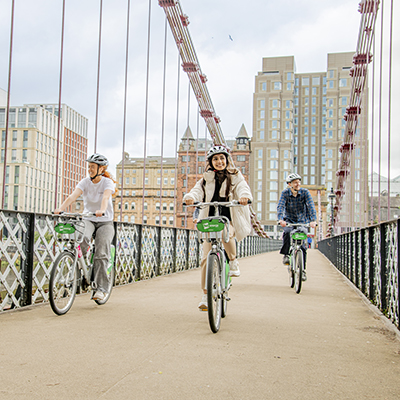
x=277, y=85
x=305, y=81
x=145, y=206
x=171, y=220
x=264, y=86
x=262, y=103
x=132, y=205
x=157, y=206
x=343, y=83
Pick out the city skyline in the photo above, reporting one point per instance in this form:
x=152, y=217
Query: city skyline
x=224, y=61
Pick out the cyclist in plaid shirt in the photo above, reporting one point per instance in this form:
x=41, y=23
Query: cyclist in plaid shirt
x=295, y=206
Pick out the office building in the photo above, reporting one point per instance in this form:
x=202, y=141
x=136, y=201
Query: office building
x=32, y=155
x=298, y=126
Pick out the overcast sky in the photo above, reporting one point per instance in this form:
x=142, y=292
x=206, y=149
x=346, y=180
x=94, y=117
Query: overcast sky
x=230, y=39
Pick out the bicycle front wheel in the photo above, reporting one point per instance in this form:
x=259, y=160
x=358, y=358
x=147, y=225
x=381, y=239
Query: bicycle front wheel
x=291, y=269
x=214, y=292
x=63, y=283
x=299, y=270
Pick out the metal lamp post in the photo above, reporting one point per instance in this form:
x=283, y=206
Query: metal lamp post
x=332, y=197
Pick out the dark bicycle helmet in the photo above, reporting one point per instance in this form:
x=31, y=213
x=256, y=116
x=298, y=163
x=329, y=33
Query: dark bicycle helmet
x=292, y=177
x=218, y=149
x=97, y=159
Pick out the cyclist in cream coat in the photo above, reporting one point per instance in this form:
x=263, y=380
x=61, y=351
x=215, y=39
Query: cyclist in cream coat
x=220, y=182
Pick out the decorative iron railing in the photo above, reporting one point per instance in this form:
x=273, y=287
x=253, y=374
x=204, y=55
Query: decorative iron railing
x=369, y=259
x=29, y=246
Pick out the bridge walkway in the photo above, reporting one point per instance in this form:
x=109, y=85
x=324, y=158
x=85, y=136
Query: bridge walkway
x=151, y=342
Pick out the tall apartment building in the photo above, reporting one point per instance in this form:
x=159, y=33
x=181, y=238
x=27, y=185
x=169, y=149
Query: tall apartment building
x=192, y=161
x=156, y=182
x=298, y=126
x=31, y=155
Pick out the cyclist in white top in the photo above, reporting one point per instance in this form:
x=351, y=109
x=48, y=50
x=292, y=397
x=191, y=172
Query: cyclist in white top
x=97, y=191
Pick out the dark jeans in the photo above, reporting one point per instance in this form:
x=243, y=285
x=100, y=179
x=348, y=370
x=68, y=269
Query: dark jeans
x=286, y=240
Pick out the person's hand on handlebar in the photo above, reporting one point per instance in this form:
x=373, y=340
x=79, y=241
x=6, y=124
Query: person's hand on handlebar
x=58, y=211
x=244, y=201
x=313, y=224
x=189, y=202
x=282, y=223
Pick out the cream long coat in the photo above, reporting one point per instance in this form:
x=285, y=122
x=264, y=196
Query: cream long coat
x=239, y=188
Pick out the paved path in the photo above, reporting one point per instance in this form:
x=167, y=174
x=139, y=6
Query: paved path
x=151, y=342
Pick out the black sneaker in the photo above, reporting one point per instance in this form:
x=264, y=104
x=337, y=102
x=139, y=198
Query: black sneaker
x=286, y=260
x=304, y=276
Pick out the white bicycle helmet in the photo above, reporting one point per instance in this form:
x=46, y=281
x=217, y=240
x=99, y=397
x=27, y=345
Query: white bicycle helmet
x=97, y=159
x=218, y=149
x=292, y=177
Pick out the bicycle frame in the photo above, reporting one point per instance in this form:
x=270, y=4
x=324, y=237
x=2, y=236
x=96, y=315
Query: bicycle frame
x=73, y=246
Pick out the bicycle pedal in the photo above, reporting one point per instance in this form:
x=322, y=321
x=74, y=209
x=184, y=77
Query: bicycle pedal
x=227, y=298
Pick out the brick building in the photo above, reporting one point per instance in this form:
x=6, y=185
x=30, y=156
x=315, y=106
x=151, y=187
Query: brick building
x=192, y=162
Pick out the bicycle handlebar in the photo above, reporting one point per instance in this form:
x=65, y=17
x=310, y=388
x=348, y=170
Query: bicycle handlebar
x=68, y=214
x=298, y=224
x=233, y=203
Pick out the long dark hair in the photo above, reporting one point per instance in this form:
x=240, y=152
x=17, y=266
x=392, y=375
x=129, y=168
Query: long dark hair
x=222, y=175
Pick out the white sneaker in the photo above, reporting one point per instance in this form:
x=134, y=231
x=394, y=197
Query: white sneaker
x=203, y=303
x=99, y=295
x=234, y=268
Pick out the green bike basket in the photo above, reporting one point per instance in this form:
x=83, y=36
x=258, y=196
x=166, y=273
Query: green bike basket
x=213, y=225
x=65, y=229
x=299, y=236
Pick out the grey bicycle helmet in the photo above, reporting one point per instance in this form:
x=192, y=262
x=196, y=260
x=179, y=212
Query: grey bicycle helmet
x=292, y=177
x=97, y=159
x=218, y=149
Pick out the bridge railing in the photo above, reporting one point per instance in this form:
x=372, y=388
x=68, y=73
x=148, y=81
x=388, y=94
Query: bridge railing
x=29, y=245
x=369, y=259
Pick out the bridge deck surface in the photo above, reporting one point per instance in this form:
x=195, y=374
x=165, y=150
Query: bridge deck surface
x=151, y=342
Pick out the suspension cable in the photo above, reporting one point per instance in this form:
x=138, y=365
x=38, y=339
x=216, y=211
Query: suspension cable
x=59, y=104
x=176, y=138
x=98, y=76
x=125, y=97
x=146, y=108
x=163, y=115
x=8, y=103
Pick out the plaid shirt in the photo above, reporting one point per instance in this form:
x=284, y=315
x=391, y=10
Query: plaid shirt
x=299, y=209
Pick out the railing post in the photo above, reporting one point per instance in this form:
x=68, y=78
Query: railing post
x=371, y=264
x=139, y=256
x=28, y=241
x=187, y=248
x=383, y=254
x=158, y=247
x=398, y=271
x=362, y=258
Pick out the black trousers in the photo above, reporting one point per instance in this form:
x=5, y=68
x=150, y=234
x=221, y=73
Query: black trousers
x=286, y=240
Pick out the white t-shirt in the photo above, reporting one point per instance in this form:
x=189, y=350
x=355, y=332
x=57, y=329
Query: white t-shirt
x=93, y=195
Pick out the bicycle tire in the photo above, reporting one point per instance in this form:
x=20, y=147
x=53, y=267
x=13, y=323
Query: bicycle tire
x=292, y=267
x=63, y=283
x=111, y=278
x=214, y=292
x=299, y=270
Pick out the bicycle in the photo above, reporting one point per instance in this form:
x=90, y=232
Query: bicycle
x=297, y=256
x=71, y=272
x=218, y=282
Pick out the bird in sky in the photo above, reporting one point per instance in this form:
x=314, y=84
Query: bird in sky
x=230, y=37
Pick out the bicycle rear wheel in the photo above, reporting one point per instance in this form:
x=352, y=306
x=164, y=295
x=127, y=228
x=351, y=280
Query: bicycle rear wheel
x=214, y=292
x=299, y=270
x=63, y=283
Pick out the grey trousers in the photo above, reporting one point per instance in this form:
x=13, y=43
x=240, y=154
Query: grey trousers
x=104, y=236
